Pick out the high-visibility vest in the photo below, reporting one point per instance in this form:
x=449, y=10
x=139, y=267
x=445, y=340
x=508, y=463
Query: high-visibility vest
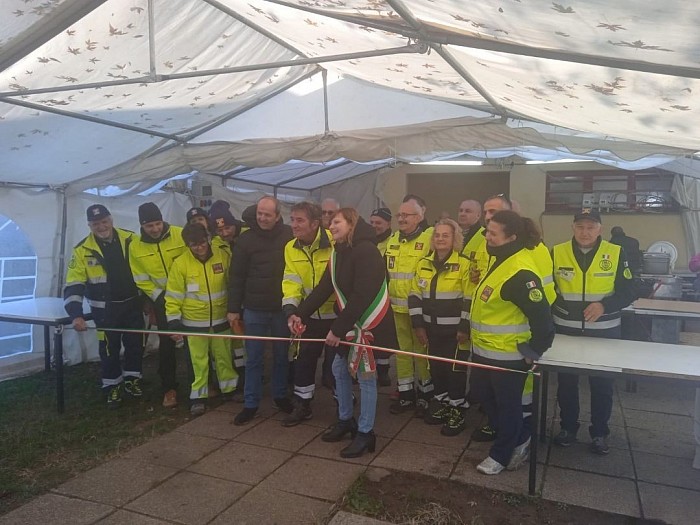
x=402, y=256
x=577, y=289
x=497, y=326
x=151, y=260
x=196, y=293
x=543, y=261
x=381, y=246
x=303, y=268
x=437, y=295
x=87, y=277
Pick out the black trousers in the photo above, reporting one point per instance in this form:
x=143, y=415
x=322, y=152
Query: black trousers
x=167, y=353
x=126, y=314
x=501, y=396
x=307, y=360
x=601, y=395
x=448, y=383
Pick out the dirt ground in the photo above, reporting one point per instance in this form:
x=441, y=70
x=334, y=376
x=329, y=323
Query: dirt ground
x=412, y=498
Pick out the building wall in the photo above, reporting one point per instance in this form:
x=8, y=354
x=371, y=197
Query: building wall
x=445, y=187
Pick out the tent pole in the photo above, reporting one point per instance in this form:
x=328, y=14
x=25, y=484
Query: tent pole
x=324, y=73
x=62, y=245
x=152, y=39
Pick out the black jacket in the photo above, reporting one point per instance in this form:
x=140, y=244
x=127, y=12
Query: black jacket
x=257, y=266
x=360, y=271
x=630, y=246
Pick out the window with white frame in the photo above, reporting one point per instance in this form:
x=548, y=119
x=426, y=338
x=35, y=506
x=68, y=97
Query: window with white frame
x=17, y=282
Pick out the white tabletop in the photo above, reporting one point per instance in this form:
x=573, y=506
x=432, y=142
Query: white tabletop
x=39, y=310
x=628, y=357
x=660, y=313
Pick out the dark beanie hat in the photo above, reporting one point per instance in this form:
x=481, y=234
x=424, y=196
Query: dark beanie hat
x=97, y=212
x=149, y=212
x=193, y=212
x=220, y=215
x=384, y=213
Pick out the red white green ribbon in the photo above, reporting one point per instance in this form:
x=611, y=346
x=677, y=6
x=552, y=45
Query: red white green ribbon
x=361, y=359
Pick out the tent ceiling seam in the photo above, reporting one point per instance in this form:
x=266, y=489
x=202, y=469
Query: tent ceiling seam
x=307, y=175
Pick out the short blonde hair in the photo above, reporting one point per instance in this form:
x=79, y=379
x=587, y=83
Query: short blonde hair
x=457, y=241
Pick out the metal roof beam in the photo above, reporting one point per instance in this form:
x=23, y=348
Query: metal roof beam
x=307, y=175
x=59, y=19
x=88, y=118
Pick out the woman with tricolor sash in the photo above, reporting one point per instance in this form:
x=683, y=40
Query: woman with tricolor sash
x=357, y=276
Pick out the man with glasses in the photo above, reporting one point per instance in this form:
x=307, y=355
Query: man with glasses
x=404, y=250
x=328, y=208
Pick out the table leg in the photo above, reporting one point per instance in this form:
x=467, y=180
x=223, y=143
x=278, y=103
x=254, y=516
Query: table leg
x=47, y=348
x=58, y=354
x=543, y=414
x=532, y=477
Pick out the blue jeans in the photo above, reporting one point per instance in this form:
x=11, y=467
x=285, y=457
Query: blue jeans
x=343, y=390
x=260, y=323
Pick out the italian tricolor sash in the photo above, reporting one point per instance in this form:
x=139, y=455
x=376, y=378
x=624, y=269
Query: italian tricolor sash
x=360, y=359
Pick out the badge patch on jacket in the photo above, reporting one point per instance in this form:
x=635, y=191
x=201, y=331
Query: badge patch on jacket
x=418, y=246
x=422, y=283
x=606, y=264
x=486, y=293
x=91, y=261
x=454, y=267
x=535, y=295
x=218, y=268
x=530, y=285
x=391, y=262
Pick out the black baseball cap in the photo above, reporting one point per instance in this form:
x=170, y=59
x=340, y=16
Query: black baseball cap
x=97, y=212
x=591, y=215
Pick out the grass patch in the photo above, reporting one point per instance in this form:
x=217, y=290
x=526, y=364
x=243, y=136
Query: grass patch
x=360, y=501
x=40, y=448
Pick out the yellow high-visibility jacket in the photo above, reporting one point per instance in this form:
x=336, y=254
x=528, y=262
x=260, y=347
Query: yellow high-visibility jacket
x=151, y=260
x=402, y=256
x=196, y=292
x=303, y=268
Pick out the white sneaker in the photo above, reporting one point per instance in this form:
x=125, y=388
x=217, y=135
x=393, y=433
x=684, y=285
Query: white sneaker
x=490, y=467
x=521, y=453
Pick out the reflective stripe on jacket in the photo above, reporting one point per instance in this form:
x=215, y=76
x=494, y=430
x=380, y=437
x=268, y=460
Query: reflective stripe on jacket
x=303, y=269
x=87, y=277
x=151, y=260
x=497, y=325
x=402, y=256
x=437, y=294
x=577, y=289
x=196, y=293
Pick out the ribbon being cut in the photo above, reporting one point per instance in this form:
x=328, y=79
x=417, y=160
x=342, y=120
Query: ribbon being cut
x=361, y=361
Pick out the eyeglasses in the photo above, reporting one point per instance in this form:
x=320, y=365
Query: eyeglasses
x=198, y=244
x=405, y=215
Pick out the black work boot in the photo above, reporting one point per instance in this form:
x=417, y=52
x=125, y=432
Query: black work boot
x=301, y=412
x=338, y=431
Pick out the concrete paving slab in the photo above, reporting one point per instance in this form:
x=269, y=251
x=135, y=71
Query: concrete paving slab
x=657, y=442
x=272, y=434
x=56, y=510
x=241, y=462
x=216, y=424
x=116, y=482
x=416, y=431
x=176, y=449
x=664, y=402
x=579, y=457
x=347, y=518
x=189, y=498
x=591, y=490
x=314, y=477
x=387, y=424
x=427, y=459
x=124, y=516
x=681, y=425
x=666, y=470
x=321, y=449
x=509, y=481
x=669, y=504
x=274, y=507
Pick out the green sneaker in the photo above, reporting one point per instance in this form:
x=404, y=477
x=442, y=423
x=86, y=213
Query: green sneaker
x=114, y=397
x=133, y=387
x=454, y=424
x=437, y=414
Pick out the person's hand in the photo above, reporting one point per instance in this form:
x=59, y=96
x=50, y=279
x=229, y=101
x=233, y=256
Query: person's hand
x=528, y=361
x=332, y=339
x=421, y=335
x=79, y=324
x=462, y=337
x=296, y=327
x=233, y=319
x=177, y=338
x=593, y=311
